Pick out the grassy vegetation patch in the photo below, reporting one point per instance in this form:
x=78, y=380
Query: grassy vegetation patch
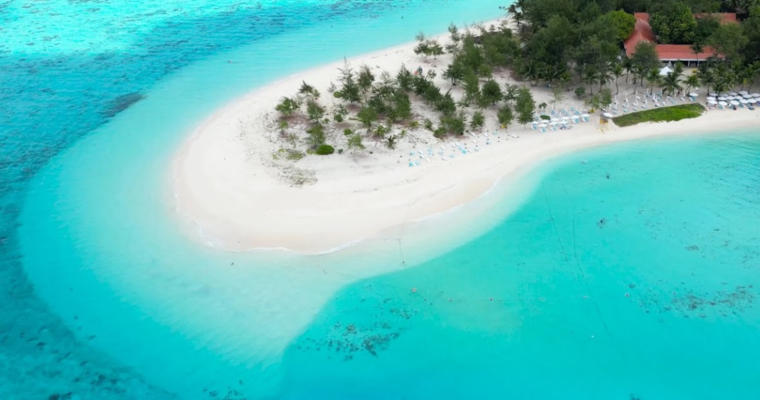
x=663, y=114
x=291, y=155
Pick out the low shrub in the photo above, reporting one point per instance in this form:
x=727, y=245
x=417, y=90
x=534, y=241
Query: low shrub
x=325, y=149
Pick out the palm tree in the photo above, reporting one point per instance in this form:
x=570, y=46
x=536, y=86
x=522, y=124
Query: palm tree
x=617, y=71
x=638, y=76
x=678, y=72
x=720, y=86
x=744, y=75
x=741, y=6
x=697, y=48
x=755, y=69
x=589, y=76
x=515, y=11
x=603, y=76
x=678, y=69
x=653, y=78
x=691, y=81
x=671, y=82
x=707, y=77
x=628, y=67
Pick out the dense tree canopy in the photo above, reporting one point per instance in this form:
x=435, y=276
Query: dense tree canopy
x=623, y=23
x=673, y=23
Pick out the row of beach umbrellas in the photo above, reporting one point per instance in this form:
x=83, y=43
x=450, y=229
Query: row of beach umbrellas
x=564, y=120
x=742, y=94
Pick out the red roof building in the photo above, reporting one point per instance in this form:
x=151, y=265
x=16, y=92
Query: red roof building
x=642, y=31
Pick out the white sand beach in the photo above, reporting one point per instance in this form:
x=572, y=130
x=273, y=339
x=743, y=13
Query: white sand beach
x=230, y=184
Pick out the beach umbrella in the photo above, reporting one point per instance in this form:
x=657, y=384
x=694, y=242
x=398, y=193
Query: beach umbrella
x=710, y=97
x=692, y=94
x=564, y=118
x=734, y=103
x=553, y=123
x=721, y=98
x=743, y=92
x=744, y=101
x=542, y=125
x=713, y=102
x=732, y=93
x=713, y=94
x=747, y=96
x=723, y=103
x=755, y=94
x=607, y=115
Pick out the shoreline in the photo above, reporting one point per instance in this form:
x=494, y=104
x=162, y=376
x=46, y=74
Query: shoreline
x=227, y=187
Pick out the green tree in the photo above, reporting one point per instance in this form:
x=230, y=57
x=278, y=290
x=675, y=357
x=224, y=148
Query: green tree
x=653, y=78
x=515, y=11
x=349, y=90
x=308, y=91
x=728, y=40
x=471, y=86
x=558, y=94
x=402, y=105
x=525, y=106
x=751, y=27
x=645, y=56
x=339, y=114
x=365, y=80
x=367, y=115
x=314, y=110
x=696, y=48
x=605, y=97
x=691, y=81
x=446, y=105
x=671, y=83
x=404, y=79
x=316, y=135
x=435, y=48
x=454, y=123
x=706, y=25
x=491, y=92
x=674, y=23
x=287, y=106
x=623, y=23
x=505, y=116
x=456, y=37
x=617, y=72
x=510, y=92
x=590, y=75
x=454, y=72
x=478, y=120
x=628, y=67
x=706, y=78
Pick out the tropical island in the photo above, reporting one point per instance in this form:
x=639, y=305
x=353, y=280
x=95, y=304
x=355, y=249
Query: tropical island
x=338, y=153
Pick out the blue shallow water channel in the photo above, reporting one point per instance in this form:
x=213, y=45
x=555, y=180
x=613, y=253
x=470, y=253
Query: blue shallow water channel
x=642, y=284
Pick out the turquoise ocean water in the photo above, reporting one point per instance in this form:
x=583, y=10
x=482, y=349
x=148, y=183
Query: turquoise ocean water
x=566, y=284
